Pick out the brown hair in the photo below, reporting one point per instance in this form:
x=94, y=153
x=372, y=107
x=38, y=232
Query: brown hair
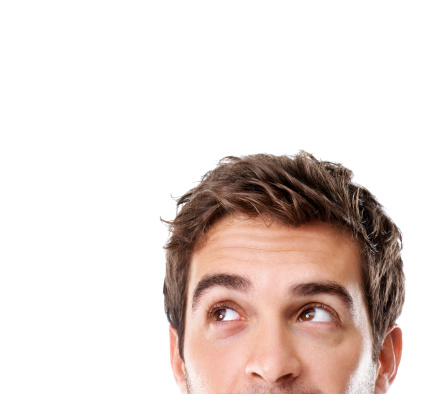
x=293, y=190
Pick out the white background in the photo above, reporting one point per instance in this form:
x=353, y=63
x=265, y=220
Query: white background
x=107, y=108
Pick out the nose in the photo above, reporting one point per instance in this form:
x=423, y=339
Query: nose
x=273, y=358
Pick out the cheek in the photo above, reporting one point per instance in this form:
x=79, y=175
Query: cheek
x=213, y=362
x=346, y=364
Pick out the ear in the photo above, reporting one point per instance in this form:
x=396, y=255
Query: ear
x=177, y=363
x=389, y=359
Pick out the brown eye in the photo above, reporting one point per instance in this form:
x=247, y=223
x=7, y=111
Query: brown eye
x=308, y=314
x=316, y=314
x=219, y=315
x=225, y=314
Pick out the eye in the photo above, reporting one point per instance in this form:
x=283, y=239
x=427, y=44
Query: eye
x=316, y=314
x=225, y=314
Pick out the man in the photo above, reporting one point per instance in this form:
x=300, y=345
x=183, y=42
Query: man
x=283, y=276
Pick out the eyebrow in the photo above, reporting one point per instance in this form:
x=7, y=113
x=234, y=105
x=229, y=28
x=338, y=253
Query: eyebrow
x=243, y=284
x=315, y=288
x=232, y=282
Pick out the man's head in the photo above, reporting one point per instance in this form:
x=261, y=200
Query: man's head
x=283, y=254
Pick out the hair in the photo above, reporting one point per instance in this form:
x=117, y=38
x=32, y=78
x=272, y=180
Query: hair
x=293, y=190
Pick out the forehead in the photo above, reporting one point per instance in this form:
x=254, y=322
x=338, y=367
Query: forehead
x=275, y=254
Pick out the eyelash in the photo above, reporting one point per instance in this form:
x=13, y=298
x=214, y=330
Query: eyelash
x=224, y=305
x=217, y=307
x=320, y=306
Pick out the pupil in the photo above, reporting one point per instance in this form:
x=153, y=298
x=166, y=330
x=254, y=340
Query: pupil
x=220, y=314
x=310, y=314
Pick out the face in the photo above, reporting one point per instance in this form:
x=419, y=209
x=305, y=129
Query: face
x=276, y=309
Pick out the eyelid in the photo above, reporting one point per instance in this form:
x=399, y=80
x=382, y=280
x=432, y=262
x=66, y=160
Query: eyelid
x=324, y=307
x=222, y=305
x=232, y=306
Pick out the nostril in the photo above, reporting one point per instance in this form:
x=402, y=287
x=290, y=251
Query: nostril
x=281, y=379
x=256, y=375
x=284, y=377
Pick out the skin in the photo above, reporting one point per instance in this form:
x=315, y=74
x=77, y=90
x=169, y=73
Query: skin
x=265, y=337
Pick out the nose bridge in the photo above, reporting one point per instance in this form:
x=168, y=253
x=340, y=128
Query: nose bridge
x=273, y=354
